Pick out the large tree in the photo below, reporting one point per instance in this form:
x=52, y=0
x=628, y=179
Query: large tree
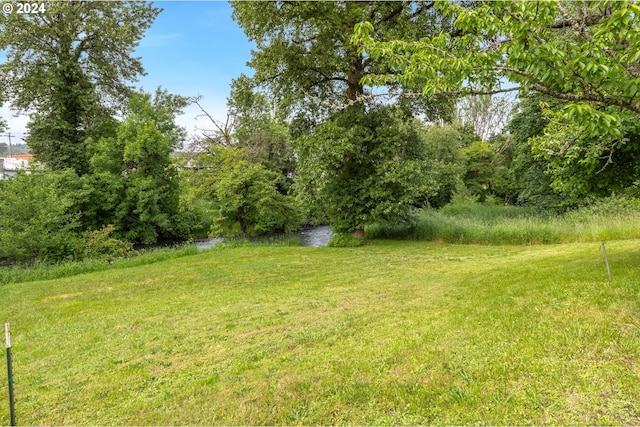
x=69, y=66
x=239, y=171
x=303, y=51
x=529, y=176
x=260, y=130
x=136, y=181
x=304, y=57
x=586, y=53
x=367, y=166
x=487, y=114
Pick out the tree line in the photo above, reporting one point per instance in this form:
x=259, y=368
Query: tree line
x=357, y=113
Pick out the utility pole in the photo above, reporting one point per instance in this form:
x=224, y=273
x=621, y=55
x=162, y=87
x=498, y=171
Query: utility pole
x=10, y=153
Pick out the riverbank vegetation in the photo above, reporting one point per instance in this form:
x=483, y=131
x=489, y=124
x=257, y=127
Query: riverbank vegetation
x=30, y=272
x=393, y=333
x=462, y=223
x=473, y=223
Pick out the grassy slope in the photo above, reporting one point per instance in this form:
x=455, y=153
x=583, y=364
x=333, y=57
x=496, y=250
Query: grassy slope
x=392, y=333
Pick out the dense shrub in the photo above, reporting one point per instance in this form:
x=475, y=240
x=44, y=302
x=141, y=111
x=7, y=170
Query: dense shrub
x=101, y=245
x=240, y=196
x=37, y=219
x=345, y=240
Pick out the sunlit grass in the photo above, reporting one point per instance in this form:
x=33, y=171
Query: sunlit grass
x=46, y=271
x=41, y=270
x=391, y=333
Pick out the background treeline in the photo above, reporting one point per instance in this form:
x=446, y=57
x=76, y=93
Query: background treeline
x=307, y=144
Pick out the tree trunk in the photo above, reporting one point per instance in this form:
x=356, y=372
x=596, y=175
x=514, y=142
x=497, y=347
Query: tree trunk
x=243, y=228
x=354, y=88
x=354, y=74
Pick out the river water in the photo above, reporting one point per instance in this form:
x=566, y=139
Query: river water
x=316, y=237
x=312, y=237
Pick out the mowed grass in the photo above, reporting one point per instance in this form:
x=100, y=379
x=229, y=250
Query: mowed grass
x=398, y=333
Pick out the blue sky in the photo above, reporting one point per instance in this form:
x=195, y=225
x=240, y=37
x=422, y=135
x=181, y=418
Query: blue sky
x=193, y=48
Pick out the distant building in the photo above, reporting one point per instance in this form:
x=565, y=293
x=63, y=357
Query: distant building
x=10, y=164
x=21, y=156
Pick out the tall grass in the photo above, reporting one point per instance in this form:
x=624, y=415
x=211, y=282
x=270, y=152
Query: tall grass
x=611, y=219
x=276, y=239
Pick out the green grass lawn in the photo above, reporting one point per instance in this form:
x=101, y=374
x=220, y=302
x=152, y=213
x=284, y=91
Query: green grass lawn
x=390, y=333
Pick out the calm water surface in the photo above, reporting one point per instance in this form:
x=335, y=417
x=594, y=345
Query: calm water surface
x=312, y=237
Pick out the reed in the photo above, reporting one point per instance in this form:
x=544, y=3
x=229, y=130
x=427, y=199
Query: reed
x=510, y=225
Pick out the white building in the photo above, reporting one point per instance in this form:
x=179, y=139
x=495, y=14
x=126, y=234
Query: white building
x=9, y=165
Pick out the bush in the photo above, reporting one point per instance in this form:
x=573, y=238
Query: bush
x=244, y=196
x=345, y=240
x=37, y=219
x=99, y=244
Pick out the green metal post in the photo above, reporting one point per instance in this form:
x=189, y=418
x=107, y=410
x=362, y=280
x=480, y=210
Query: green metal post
x=12, y=411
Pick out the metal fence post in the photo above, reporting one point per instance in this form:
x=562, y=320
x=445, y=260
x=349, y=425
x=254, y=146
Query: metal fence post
x=7, y=332
x=606, y=260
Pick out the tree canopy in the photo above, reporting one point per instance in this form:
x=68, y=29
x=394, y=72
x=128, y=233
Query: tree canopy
x=303, y=51
x=311, y=137
x=366, y=166
x=133, y=172
x=584, y=52
x=363, y=160
x=68, y=67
